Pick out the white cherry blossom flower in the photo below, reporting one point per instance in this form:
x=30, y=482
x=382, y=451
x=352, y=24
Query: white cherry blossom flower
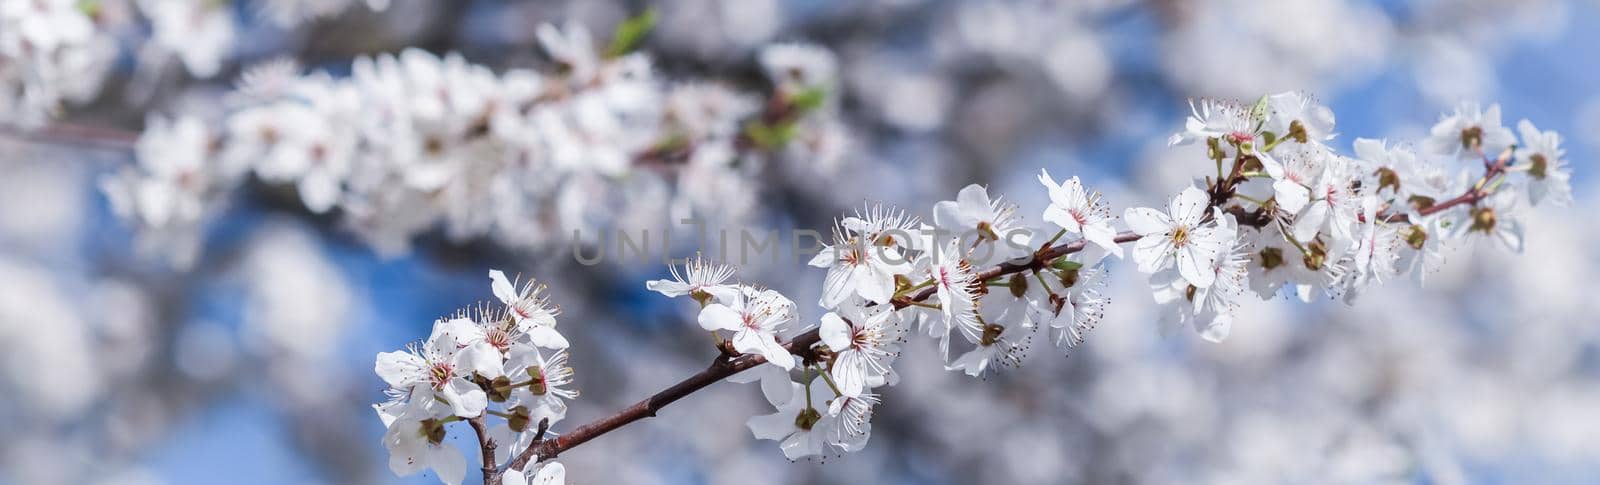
x=1080, y=212
x=1493, y=217
x=529, y=308
x=802, y=426
x=1078, y=309
x=864, y=341
x=864, y=259
x=1470, y=133
x=443, y=367
x=547, y=374
x=998, y=342
x=701, y=279
x=1544, y=163
x=976, y=219
x=799, y=66
x=953, y=283
x=1176, y=236
x=200, y=32
x=416, y=443
x=1295, y=169
x=1377, y=249
x=755, y=318
x=1210, y=309
x=1294, y=114
x=1227, y=121
x=1335, y=203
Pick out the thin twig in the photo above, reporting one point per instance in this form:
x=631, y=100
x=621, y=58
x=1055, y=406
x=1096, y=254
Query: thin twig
x=69, y=134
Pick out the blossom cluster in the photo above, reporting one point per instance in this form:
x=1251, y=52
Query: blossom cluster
x=1290, y=216
x=412, y=142
x=506, y=355
x=1285, y=213
x=60, y=51
x=50, y=52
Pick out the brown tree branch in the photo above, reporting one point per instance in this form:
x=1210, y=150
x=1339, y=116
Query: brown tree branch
x=486, y=447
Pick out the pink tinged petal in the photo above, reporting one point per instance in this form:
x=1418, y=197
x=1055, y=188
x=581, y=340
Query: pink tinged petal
x=546, y=337
x=1145, y=221
x=502, y=287
x=835, y=332
x=1291, y=196
x=717, y=316
x=1189, y=206
x=1054, y=214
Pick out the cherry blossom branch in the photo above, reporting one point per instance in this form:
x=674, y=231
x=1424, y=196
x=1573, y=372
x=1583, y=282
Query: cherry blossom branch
x=725, y=365
x=87, y=136
x=486, y=447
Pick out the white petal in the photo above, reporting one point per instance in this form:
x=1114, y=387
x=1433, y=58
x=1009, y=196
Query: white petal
x=835, y=332
x=1145, y=221
x=717, y=316
x=1291, y=196
x=546, y=337
x=553, y=473
x=1194, y=264
x=399, y=369
x=502, y=287
x=448, y=463
x=1188, y=206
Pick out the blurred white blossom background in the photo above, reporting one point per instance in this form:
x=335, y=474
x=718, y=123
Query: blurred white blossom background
x=172, y=311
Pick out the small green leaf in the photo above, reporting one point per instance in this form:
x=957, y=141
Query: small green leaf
x=1258, y=113
x=630, y=33
x=769, y=136
x=809, y=99
x=1065, y=264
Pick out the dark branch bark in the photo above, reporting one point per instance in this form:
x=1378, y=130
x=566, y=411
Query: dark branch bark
x=486, y=448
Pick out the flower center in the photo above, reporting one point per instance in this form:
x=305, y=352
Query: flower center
x=1180, y=236
x=441, y=373
x=1471, y=137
